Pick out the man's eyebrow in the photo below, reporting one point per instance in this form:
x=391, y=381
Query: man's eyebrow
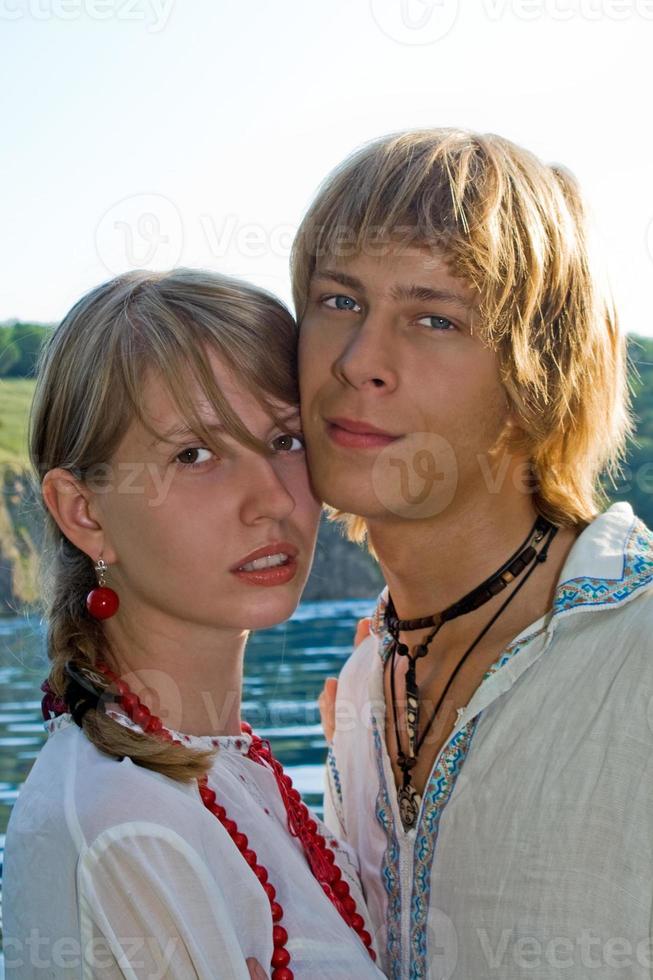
x=429, y=294
x=401, y=293
x=345, y=280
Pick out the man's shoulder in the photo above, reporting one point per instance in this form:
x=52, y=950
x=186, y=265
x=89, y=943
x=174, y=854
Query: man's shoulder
x=624, y=627
x=637, y=613
x=363, y=657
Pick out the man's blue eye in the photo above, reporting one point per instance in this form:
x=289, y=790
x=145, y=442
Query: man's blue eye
x=438, y=322
x=341, y=302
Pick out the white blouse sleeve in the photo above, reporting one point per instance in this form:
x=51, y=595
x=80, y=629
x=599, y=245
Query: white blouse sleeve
x=148, y=908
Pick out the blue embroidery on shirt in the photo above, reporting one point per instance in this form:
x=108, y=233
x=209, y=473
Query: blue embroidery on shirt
x=637, y=571
x=336, y=784
x=390, y=864
x=436, y=796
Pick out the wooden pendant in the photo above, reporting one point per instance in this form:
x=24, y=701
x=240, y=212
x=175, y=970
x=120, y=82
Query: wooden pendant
x=409, y=803
x=412, y=709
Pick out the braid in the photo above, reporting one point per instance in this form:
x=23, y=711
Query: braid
x=75, y=639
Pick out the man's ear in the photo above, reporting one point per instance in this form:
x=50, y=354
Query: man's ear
x=71, y=504
x=513, y=418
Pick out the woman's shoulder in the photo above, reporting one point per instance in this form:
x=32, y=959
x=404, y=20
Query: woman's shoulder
x=76, y=792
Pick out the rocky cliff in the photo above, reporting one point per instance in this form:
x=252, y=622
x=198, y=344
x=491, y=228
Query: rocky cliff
x=20, y=542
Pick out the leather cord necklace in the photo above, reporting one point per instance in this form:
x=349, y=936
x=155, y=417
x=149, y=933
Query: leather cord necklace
x=408, y=798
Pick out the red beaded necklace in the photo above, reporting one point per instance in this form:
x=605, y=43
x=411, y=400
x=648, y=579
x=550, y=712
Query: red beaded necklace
x=320, y=856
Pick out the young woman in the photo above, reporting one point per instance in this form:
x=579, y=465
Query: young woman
x=156, y=836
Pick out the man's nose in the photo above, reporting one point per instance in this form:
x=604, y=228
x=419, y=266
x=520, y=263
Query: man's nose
x=368, y=359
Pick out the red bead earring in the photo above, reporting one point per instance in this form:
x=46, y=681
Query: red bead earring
x=102, y=602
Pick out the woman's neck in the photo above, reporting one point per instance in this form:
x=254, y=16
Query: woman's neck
x=190, y=678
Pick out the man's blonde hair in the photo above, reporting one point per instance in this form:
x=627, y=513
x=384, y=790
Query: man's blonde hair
x=515, y=230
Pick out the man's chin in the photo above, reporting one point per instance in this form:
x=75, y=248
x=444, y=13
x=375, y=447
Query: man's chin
x=354, y=505
x=346, y=489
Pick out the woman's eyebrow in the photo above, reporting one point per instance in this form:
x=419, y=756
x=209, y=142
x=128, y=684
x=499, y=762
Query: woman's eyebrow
x=183, y=430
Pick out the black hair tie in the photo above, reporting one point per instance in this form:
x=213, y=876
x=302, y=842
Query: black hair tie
x=81, y=693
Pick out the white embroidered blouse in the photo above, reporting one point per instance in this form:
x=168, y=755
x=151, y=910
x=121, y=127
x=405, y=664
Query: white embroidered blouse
x=533, y=852
x=112, y=870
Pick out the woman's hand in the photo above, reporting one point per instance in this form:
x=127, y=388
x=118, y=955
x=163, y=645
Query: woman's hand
x=256, y=971
x=327, y=706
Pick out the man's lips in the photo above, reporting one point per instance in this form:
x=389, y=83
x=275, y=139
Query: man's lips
x=360, y=427
x=358, y=434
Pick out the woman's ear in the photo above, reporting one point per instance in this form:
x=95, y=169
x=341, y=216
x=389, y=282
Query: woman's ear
x=71, y=506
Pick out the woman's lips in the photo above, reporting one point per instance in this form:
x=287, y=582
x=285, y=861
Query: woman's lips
x=277, y=575
x=279, y=559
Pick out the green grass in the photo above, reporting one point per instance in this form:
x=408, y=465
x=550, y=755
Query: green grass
x=15, y=399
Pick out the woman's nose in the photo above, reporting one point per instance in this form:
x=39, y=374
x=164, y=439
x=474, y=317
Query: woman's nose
x=266, y=496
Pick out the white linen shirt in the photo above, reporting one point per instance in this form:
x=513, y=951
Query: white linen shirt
x=533, y=852
x=112, y=870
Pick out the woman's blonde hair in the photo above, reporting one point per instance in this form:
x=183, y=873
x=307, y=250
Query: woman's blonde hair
x=88, y=391
x=515, y=230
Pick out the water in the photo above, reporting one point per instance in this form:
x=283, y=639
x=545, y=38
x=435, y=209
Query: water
x=284, y=671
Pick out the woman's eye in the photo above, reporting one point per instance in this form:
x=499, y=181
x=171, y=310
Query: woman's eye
x=341, y=303
x=288, y=442
x=191, y=464
x=437, y=323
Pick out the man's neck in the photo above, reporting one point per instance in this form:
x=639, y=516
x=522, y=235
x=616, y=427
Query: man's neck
x=429, y=566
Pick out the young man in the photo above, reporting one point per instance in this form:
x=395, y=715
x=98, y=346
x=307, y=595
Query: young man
x=463, y=387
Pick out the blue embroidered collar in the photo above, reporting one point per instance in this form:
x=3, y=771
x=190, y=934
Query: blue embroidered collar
x=610, y=561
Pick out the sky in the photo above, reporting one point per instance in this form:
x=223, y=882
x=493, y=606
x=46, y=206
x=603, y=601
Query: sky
x=155, y=133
